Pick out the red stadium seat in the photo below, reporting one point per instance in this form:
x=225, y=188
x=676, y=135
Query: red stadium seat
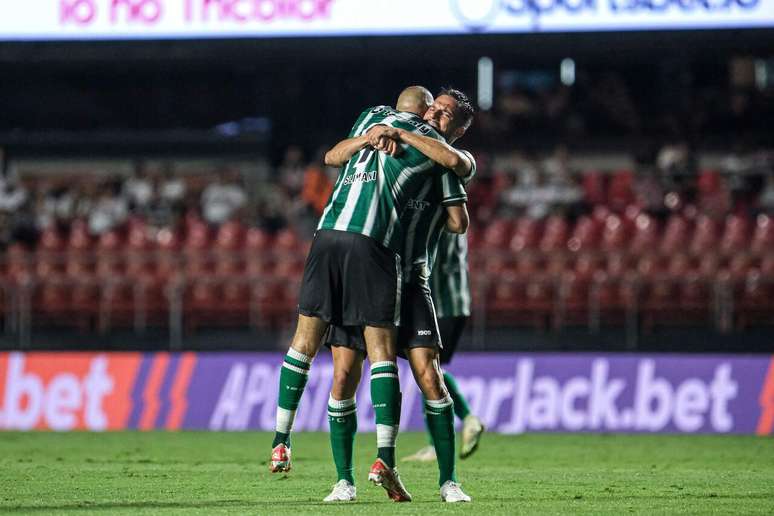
x=735, y=233
x=512, y=301
x=230, y=236
x=620, y=192
x=617, y=265
x=675, y=234
x=705, y=235
x=555, y=234
x=79, y=238
x=51, y=241
x=594, y=188
x=763, y=236
x=257, y=240
x=646, y=234
x=526, y=235
x=497, y=234
x=585, y=234
x=615, y=233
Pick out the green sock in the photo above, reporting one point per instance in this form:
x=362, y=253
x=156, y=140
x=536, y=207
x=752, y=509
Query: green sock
x=440, y=421
x=461, y=407
x=385, y=397
x=293, y=376
x=342, y=419
x=427, y=426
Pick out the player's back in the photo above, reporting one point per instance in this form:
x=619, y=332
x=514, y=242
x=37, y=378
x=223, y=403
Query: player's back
x=373, y=188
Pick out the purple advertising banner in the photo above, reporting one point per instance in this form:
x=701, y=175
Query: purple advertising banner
x=510, y=392
x=515, y=393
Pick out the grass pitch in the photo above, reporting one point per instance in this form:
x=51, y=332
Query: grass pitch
x=226, y=473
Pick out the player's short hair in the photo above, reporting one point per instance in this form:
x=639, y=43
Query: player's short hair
x=464, y=106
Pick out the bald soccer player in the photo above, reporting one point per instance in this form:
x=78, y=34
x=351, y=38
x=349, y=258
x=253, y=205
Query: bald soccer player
x=352, y=277
x=440, y=206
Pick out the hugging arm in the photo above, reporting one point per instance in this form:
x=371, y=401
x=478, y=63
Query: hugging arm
x=438, y=151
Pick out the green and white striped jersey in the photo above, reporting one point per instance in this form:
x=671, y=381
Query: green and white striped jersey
x=373, y=188
x=449, y=280
x=423, y=221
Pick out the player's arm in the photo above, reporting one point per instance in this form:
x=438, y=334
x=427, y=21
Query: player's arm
x=457, y=220
x=344, y=150
x=438, y=151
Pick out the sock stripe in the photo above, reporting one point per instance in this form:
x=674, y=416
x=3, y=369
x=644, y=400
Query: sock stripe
x=384, y=370
x=297, y=363
x=295, y=369
x=443, y=402
x=383, y=375
x=385, y=363
x=340, y=404
x=296, y=355
x=338, y=413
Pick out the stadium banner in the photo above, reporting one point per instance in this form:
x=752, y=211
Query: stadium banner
x=162, y=19
x=512, y=393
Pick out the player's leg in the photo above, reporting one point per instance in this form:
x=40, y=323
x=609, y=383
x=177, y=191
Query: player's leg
x=319, y=301
x=472, y=428
x=292, y=381
x=342, y=416
x=439, y=408
x=386, y=398
x=439, y=412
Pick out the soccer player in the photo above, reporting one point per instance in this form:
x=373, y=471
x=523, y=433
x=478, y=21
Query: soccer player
x=451, y=296
x=352, y=276
x=442, y=205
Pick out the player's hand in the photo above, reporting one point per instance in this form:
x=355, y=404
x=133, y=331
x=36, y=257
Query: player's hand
x=389, y=146
x=378, y=131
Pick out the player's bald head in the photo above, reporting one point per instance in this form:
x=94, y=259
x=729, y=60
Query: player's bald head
x=414, y=99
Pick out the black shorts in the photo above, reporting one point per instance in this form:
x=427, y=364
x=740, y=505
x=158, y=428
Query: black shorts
x=351, y=280
x=418, y=327
x=345, y=336
x=451, y=330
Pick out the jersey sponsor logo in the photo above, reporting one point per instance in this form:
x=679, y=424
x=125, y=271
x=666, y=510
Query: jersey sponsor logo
x=360, y=177
x=414, y=204
x=424, y=333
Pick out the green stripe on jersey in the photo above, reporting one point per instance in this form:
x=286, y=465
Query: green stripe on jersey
x=449, y=280
x=373, y=189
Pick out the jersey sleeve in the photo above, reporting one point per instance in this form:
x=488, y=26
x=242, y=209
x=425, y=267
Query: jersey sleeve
x=451, y=189
x=469, y=177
